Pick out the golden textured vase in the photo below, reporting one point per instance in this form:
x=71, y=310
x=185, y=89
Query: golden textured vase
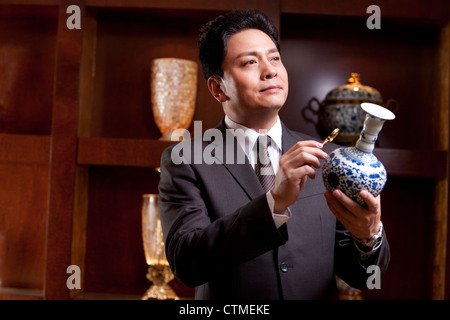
x=159, y=272
x=173, y=94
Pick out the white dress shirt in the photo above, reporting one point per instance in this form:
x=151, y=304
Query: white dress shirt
x=246, y=138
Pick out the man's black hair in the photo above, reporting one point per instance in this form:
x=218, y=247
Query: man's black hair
x=215, y=34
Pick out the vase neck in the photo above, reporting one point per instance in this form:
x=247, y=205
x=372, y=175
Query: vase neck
x=369, y=134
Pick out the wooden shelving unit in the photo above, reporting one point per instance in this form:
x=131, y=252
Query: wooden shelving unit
x=79, y=147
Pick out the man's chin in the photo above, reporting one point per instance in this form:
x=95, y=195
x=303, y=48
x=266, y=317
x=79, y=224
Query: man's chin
x=272, y=108
x=274, y=104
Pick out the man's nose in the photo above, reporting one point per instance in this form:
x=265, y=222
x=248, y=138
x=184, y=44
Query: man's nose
x=269, y=71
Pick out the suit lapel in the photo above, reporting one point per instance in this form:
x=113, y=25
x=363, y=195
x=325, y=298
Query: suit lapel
x=287, y=139
x=237, y=163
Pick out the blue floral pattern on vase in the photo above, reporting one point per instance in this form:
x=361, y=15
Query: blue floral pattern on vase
x=351, y=170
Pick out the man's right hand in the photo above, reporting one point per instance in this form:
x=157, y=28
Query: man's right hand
x=296, y=165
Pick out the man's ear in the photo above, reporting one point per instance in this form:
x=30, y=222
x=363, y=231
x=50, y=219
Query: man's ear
x=214, y=86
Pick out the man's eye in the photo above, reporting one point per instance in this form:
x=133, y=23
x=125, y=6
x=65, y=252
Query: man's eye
x=249, y=62
x=277, y=58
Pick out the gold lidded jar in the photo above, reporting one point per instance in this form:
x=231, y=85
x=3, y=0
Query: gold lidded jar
x=341, y=109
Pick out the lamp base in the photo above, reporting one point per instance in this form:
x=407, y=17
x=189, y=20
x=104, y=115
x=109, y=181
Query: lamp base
x=160, y=276
x=160, y=292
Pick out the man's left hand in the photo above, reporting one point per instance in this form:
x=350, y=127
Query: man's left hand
x=361, y=222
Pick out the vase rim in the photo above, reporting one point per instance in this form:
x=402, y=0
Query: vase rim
x=377, y=111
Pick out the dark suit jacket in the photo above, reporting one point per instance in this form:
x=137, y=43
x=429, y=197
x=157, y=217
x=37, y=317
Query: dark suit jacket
x=221, y=238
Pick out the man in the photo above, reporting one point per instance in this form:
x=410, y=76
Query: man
x=224, y=233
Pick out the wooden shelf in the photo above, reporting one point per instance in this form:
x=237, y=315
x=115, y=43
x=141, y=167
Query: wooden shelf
x=147, y=153
x=20, y=294
x=24, y=148
x=414, y=163
x=105, y=296
x=121, y=152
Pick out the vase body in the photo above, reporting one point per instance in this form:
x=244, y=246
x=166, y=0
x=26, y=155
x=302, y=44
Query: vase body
x=353, y=169
x=173, y=89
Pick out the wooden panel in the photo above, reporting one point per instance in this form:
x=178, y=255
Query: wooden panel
x=23, y=209
x=24, y=148
x=27, y=56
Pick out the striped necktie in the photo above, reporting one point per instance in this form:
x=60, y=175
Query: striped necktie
x=263, y=166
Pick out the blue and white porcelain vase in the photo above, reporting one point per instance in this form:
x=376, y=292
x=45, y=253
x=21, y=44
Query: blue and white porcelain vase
x=353, y=169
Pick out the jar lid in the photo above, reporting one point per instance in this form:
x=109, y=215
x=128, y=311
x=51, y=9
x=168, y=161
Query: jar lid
x=354, y=92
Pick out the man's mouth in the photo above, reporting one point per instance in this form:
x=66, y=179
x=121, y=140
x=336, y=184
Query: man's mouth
x=271, y=88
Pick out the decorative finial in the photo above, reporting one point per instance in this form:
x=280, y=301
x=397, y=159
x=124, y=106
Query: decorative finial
x=354, y=78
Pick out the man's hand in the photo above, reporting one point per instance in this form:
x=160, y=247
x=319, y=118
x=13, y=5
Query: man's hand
x=361, y=222
x=296, y=165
